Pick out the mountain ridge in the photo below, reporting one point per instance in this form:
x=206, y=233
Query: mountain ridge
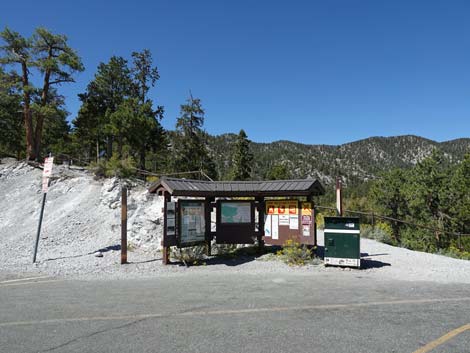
x=356, y=161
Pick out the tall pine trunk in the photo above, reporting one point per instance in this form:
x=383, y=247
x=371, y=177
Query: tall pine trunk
x=28, y=119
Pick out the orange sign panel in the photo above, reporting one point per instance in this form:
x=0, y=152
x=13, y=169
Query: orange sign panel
x=271, y=207
x=293, y=207
x=306, y=208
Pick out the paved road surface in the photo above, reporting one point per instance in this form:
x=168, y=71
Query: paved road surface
x=339, y=312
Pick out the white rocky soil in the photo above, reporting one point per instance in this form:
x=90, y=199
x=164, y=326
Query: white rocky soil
x=81, y=220
x=81, y=235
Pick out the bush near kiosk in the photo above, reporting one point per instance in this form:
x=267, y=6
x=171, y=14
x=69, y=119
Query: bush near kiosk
x=381, y=232
x=192, y=256
x=295, y=254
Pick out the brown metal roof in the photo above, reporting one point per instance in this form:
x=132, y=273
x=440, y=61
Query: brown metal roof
x=271, y=188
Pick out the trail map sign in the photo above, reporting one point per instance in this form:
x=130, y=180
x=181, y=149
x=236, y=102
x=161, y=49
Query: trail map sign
x=236, y=212
x=193, y=226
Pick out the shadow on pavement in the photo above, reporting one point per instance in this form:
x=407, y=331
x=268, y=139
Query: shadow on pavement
x=363, y=254
x=368, y=263
x=102, y=250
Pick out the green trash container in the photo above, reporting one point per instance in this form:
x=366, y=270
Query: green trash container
x=342, y=241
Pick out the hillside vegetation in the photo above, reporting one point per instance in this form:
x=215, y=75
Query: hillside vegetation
x=356, y=161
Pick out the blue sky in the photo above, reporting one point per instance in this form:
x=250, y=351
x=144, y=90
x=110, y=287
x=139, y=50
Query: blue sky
x=325, y=72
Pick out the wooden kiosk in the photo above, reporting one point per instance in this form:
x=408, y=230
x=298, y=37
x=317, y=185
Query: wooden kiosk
x=270, y=212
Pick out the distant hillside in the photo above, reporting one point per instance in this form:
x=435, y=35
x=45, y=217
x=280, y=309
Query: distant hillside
x=356, y=161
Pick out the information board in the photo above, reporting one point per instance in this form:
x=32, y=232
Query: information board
x=235, y=212
x=289, y=219
x=193, y=226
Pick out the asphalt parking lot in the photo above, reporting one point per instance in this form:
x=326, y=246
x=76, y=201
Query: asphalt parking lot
x=209, y=312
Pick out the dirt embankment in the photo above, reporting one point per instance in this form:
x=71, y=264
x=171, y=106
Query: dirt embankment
x=82, y=217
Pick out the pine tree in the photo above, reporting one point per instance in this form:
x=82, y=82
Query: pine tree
x=426, y=195
x=50, y=55
x=278, y=172
x=189, y=143
x=388, y=194
x=242, y=158
x=11, y=120
x=460, y=196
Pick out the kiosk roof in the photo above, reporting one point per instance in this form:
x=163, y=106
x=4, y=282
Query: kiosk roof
x=270, y=188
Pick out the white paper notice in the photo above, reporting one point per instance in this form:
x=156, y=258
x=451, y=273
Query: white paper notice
x=306, y=231
x=48, y=164
x=267, y=226
x=283, y=220
x=293, y=222
x=275, y=227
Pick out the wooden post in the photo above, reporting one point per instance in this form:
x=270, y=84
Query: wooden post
x=339, y=197
x=124, y=225
x=261, y=210
x=314, y=221
x=165, y=248
x=208, y=210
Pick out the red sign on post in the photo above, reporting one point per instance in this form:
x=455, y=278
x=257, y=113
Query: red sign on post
x=306, y=220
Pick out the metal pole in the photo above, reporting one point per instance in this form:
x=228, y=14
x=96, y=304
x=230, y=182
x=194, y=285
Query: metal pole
x=39, y=225
x=124, y=225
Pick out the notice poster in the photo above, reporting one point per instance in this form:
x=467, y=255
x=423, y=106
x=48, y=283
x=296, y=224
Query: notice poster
x=283, y=220
x=267, y=226
x=306, y=231
x=293, y=207
x=235, y=212
x=293, y=222
x=46, y=173
x=193, y=222
x=275, y=227
x=306, y=220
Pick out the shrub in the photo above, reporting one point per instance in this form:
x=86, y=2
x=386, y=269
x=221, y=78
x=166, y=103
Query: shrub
x=115, y=167
x=320, y=220
x=418, y=239
x=382, y=232
x=151, y=179
x=224, y=249
x=194, y=255
x=295, y=254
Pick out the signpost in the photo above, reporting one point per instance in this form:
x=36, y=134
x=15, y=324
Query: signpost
x=46, y=174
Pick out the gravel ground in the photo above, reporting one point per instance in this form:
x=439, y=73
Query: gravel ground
x=82, y=217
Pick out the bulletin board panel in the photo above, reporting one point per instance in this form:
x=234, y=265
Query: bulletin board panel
x=191, y=223
x=235, y=222
x=289, y=219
